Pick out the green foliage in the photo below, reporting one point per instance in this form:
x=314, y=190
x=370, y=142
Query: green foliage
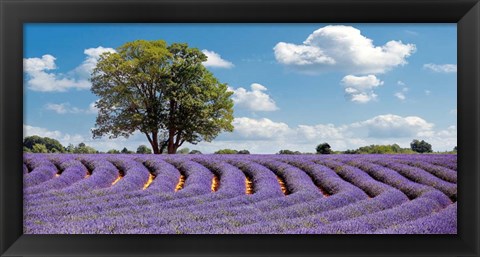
x=195, y=152
x=420, y=146
x=52, y=145
x=70, y=148
x=183, y=151
x=82, y=148
x=288, y=152
x=324, y=148
x=226, y=151
x=126, y=151
x=380, y=149
x=455, y=149
x=39, y=148
x=113, y=151
x=243, y=152
x=163, y=91
x=143, y=149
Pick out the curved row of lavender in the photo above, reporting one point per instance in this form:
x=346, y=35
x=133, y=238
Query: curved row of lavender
x=240, y=194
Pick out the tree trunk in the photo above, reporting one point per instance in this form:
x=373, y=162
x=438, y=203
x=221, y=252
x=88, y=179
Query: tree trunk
x=171, y=144
x=154, y=143
x=171, y=129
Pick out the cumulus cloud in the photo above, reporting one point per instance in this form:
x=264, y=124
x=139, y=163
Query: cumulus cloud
x=342, y=48
x=102, y=144
x=268, y=136
x=66, y=108
x=259, y=128
x=41, y=75
x=360, y=89
x=442, y=68
x=393, y=126
x=254, y=100
x=63, y=138
x=215, y=60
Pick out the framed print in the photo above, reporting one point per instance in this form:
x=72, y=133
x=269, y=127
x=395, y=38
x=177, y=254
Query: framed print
x=230, y=128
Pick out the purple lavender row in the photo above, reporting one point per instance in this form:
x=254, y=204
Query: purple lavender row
x=439, y=171
x=167, y=172
x=232, y=179
x=104, y=199
x=135, y=175
x=421, y=176
x=356, y=177
x=408, y=211
x=445, y=160
x=280, y=211
x=158, y=209
x=209, y=219
x=166, y=175
x=195, y=184
x=390, y=177
x=295, y=179
x=386, y=199
x=42, y=171
x=103, y=176
x=442, y=222
x=244, y=218
x=73, y=171
x=182, y=202
x=325, y=216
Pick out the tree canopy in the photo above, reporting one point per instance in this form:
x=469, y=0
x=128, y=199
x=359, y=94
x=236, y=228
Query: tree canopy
x=421, y=146
x=143, y=149
x=162, y=91
x=50, y=145
x=324, y=148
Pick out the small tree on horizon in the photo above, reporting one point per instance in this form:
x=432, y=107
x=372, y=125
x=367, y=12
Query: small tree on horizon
x=143, y=149
x=421, y=146
x=324, y=148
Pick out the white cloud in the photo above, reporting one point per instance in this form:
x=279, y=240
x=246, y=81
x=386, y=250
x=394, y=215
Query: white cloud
x=361, y=89
x=254, y=100
x=41, y=75
x=392, y=126
x=443, y=68
x=342, y=48
x=428, y=92
x=267, y=136
x=401, y=95
x=64, y=138
x=259, y=128
x=64, y=108
x=401, y=83
x=215, y=60
x=102, y=144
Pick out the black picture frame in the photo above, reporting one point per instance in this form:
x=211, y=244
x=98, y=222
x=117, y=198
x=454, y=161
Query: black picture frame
x=14, y=13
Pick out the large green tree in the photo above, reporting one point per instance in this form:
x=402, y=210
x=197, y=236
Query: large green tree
x=51, y=145
x=162, y=91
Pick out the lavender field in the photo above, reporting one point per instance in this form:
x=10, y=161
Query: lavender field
x=240, y=194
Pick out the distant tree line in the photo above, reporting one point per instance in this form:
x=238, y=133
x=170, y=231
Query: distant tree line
x=37, y=144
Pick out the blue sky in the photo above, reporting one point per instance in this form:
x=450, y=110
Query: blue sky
x=295, y=85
